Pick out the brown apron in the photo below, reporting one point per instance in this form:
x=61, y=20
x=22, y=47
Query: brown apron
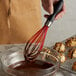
x=19, y=20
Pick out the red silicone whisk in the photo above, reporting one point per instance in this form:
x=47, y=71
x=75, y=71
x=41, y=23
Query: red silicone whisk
x=35, y=44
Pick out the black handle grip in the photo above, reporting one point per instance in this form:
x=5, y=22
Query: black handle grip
x=57, y=8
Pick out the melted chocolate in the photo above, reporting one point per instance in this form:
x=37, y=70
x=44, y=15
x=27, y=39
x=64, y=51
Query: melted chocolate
x=35, y=68
x=36, y=65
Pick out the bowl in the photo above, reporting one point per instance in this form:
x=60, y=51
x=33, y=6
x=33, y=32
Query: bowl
x=9, y=59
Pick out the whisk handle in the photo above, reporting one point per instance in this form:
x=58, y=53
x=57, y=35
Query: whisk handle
x=57, y=8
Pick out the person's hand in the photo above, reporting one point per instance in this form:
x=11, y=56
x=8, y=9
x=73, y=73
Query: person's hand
x=48, y=6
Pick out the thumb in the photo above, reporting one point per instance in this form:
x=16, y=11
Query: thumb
x=50, y=8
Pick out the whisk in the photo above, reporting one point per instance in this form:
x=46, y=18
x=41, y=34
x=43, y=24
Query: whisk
x=35, y=44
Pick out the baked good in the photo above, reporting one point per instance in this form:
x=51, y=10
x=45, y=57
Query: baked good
x=60, y=47
x=74, y=66
x=71, y=42
x=72, y=53
x=46, y=50
x=62, y=57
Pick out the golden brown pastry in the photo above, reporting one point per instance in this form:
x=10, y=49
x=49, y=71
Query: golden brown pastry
x=60, y=47
x=71, y=42
x=72, y=53
x=49, y=51
x=46, y=50
x=62, y=57
x=74, y=66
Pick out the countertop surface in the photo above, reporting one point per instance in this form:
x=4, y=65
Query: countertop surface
x=16, y=47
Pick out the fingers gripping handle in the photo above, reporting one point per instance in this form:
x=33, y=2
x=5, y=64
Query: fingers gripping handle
x=57, y=8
